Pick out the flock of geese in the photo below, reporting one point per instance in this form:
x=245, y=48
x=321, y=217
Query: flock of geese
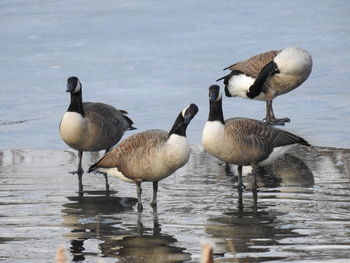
x=153, y=155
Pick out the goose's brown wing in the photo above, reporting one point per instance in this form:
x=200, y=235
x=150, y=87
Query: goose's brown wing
x=253, y=65
x=136, y=146
x=106, y=123
x=262, y=133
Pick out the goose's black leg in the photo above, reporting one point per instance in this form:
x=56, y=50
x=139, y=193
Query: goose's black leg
x=80, y=172
x=240, y=184
x=106, y=179
x=80, y=168
x=107, y=184
x=155, y=191
x=270, y=116
x=139, y=203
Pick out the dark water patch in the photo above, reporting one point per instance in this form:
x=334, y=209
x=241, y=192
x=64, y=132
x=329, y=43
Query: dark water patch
x=11, y=239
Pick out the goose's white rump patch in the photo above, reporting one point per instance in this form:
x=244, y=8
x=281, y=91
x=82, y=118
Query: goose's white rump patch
x=239, y=85
x=115, y=172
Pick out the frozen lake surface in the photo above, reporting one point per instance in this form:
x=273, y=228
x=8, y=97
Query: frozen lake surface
x=152, y=58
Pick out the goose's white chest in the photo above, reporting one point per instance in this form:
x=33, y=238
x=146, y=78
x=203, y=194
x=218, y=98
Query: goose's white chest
x=213, y=137
x=72, y=129
x=176, y=151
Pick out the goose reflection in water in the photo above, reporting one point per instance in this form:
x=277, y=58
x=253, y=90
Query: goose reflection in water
x=287, y=171
x=106, y=218
x=146, y=245
x=241, y=233
x=90, y=217
x=91, y=157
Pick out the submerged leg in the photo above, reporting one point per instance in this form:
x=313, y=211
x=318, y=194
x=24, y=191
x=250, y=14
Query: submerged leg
x=270, y=116
x=155, y=190
x=139, y=191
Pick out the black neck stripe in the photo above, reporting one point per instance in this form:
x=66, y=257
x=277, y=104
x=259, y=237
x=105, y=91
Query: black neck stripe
x=76, y=103
x=215, y=111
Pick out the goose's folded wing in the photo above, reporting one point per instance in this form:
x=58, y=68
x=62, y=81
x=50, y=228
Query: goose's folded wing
x=253, y=65
x=133, y=144
x=263, y=133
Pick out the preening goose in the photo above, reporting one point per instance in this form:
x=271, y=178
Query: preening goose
x=149, y=156
x=268, y=75
x=91, y=126
x=243, y=141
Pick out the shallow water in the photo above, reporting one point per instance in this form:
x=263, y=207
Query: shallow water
x=302, y=212
x=152, y=58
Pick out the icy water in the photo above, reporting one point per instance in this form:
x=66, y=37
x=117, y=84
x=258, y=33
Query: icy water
x=152, y=58
x=302, y=213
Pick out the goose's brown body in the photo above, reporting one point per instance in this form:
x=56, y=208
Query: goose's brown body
x=101, y=127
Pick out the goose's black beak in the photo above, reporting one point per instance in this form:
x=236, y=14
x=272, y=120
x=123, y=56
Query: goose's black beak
x=190, y=113
x=70, y=87
x=214, y=92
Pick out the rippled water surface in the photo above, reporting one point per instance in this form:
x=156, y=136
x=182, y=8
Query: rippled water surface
x=152, y=58
x=302, y=212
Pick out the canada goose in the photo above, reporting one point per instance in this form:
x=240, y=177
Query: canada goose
x=91, y=126
x=243, y=141
x=268, y=75
x=149, y=156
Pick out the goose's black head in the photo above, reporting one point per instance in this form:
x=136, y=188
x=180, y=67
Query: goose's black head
x=73, y=85
x=76, y=102
x=183, y=119
x=214, y=93
x=215, y=104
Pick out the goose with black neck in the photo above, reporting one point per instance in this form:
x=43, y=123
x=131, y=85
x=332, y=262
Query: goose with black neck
x=243, y=141
x=91, y=126
x=149, y=156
